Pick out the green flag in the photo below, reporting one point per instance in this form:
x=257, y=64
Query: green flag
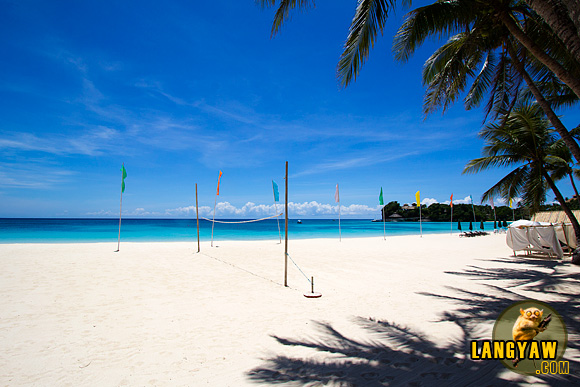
x=381, y=197
x=123, y=180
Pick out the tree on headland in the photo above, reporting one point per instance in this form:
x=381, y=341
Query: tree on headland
x=390, y=209
x=441, y=212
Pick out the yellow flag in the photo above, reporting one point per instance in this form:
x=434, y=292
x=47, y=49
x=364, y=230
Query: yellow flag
x=418, y=197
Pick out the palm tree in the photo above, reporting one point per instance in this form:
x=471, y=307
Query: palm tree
x=484, y=50
x=525, y=140
x=563, y=16
x=561, y=165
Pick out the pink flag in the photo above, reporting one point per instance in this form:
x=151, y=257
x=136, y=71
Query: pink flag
x=491, y=201
x=336, y=198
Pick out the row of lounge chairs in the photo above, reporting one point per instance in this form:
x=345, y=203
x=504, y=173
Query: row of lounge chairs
x=470, y=234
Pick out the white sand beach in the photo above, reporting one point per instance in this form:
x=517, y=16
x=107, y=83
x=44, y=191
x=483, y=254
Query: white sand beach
x=394, y=312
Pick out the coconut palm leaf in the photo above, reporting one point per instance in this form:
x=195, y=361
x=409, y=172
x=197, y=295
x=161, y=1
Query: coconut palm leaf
x=442, y=18
x=482, y=82
x=283, y=11
x=369, y=18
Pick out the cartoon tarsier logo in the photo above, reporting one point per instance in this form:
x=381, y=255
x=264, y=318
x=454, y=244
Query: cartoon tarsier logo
x=528, y=325
x=529, y=337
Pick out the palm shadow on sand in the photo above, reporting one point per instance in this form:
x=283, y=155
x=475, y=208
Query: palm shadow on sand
x=395, y=355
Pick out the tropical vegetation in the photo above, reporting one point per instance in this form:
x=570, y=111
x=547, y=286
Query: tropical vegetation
x=441, y=212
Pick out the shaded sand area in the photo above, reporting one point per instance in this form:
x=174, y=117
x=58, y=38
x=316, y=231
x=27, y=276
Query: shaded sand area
x=394, y=312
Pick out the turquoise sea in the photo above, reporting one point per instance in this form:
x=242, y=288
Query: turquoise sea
x=140, y=230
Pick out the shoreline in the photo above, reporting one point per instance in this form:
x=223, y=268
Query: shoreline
x=106, y=230
x=298, y=238
x=159, y=313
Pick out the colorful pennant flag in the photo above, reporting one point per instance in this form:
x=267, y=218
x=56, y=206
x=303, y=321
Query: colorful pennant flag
x=276, y=194
x=336, y=197
x=123, y=179
x=381, y=202
x=418, y=197
x=218, y=187
x=451, y=203
x=510, y=202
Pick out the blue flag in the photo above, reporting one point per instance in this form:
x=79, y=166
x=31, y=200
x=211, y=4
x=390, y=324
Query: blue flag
x=275, y=188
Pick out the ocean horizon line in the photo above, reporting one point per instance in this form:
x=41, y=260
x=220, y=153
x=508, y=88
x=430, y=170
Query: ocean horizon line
x=209, y=220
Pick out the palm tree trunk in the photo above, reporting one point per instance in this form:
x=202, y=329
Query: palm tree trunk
x=573, y=8
x=563, y=74
x=562, y=201
x=574, y=186
x=560, y=17
x=545, y=105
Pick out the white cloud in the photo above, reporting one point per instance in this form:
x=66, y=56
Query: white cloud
x=255, y=211
x=252, y=210
x=429, y=201
x=34, y=174
x=92, y=142
x=466, y=200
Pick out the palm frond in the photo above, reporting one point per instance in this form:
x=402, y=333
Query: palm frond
x=483, y=163
x=534, y=189
x=369, y=19
x=283, y=11
x=439, y=19
x=509, y=186
x=446, y=72
x=481, y=83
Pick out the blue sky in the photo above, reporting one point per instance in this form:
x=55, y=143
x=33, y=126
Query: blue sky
x=179, y=90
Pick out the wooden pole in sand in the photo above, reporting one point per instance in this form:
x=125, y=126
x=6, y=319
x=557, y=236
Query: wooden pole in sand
x=121, y=206
x=451, y=205
x=286, y=231
x=197, y=216
x=337, y=199
x=120, y=212
x=214, y=205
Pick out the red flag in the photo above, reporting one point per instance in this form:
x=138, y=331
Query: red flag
x=219, y=177
x=451, y=200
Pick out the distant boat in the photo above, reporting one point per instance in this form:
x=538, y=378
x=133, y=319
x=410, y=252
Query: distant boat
x=299, y=221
